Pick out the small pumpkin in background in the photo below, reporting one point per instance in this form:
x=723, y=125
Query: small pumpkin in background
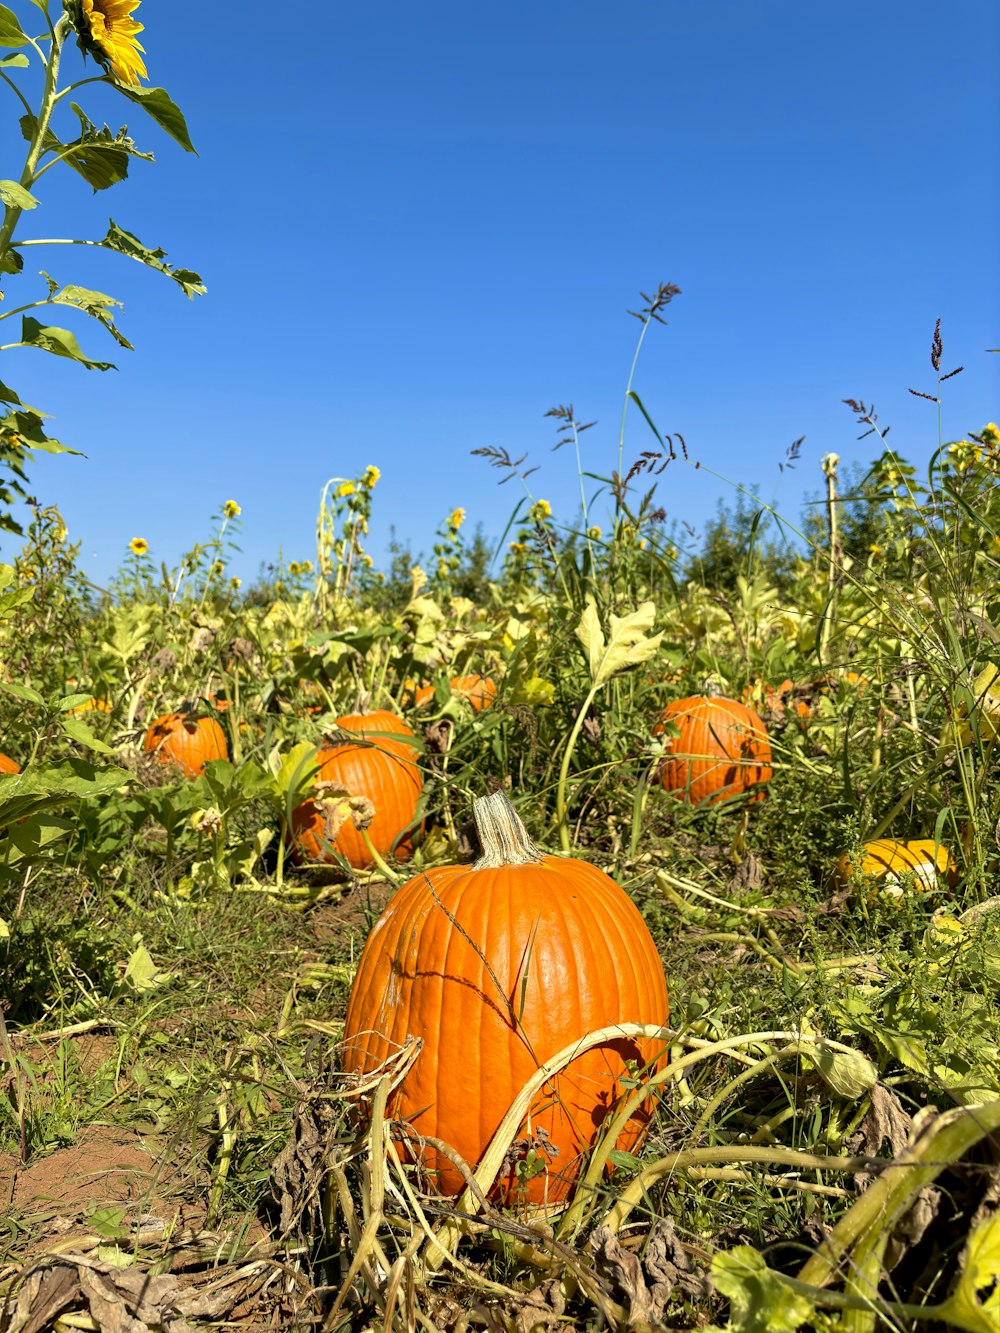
x=496, y=967
x=375, y=784
x=8, y=765
x=480, y=691
x=721, y=750
x=184, y=741
x=885, y=864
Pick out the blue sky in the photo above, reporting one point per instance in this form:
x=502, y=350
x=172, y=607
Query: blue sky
x=422, y=226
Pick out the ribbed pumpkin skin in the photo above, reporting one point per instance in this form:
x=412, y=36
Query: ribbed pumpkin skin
x=186, y=742
x=384, y=771
x=884, y=858
x=8, y=765
x=590, y=961
x=722, y=750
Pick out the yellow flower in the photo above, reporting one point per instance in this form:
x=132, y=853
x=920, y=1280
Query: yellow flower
x=991, y=434
x=367, y=561
x=217, y=568
x=138, y=546
x=594, y=533
x=235, y=583
x=540, y=510
x=875, y=548
x=457, y=519
x=231, y=509
x=371, y=476
x=306, y=566
x=518, y=548
x=346, y=488
x=108, y=33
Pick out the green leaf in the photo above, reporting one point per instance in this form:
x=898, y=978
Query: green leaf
x=12, y=62
x=141, y=972
x=16, y=196
x=11, y=33
x=77, y=730
x=157, y=103
x=95, y=304
x=23, y=430
x=8, y=395
x=12, y=263
x=21, y=692
x=44, y=786
x=126, y=244
x=760, y=1300
x=100, y=157
x=627, y=645
x=849, y=1074
x=60, y=342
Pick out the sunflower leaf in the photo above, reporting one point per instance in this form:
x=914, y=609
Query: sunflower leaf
x=16, y=196
x=158, y=104
x=126, y=244
x=18, y=61
x=60, y=342
x=11, y=33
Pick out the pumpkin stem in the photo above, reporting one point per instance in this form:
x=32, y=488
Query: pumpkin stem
x=503, y=838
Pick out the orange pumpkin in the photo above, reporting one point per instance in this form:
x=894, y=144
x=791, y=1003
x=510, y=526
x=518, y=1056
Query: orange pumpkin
x=497, y=966
x=721, y=750
x=186, y=742
x=8, y=765
x=479, y=690
x=382, y=771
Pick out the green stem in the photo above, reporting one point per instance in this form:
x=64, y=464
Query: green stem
x=561, y=821
x=12, y=212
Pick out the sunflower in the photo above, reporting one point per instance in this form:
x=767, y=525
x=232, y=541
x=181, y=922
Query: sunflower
x=138, y=546
x=108, y=33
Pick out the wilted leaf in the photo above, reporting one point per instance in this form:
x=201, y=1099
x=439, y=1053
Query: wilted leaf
x=125, y=243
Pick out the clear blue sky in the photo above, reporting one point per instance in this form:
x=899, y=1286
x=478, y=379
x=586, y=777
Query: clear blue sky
x=422, y=226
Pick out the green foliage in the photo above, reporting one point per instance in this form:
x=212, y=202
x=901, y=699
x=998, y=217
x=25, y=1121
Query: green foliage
x=102, y=159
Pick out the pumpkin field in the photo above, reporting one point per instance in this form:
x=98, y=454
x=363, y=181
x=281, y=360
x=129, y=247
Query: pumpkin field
x=593, y=925
x=684, y=1011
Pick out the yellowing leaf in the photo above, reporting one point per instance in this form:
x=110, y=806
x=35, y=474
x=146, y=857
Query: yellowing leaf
x=627, y=645
x=980, y=1272
x=141, y=972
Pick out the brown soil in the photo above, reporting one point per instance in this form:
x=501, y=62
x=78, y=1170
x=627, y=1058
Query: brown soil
x=57, y=1196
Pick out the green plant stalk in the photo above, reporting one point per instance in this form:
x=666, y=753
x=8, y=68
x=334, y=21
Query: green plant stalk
x=379, y=860
x=12, y=212
x=888, y=1198
x=562, y=822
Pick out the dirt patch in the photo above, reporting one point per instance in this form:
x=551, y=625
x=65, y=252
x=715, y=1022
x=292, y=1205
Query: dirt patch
x=119, y=1177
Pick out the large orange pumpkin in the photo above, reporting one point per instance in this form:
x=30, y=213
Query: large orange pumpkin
x=186, y=742
x=497, y=966
x=8, y=765
x=381, y=770
x=721, y=750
